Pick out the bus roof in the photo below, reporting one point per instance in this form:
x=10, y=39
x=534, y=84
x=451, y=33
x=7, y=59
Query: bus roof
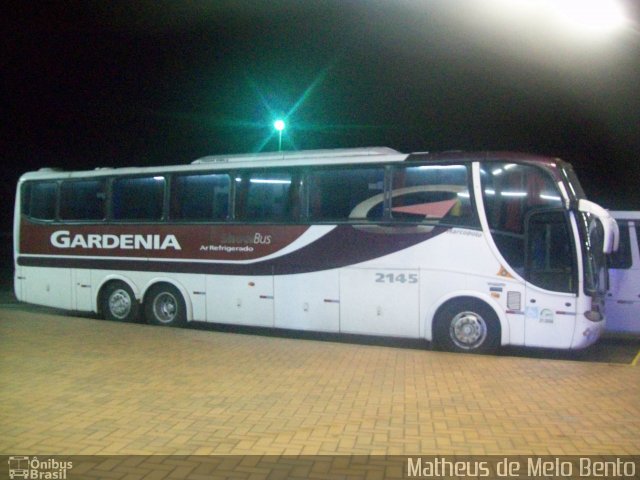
x=625, y=214
x=343, y=156
x=351, y=153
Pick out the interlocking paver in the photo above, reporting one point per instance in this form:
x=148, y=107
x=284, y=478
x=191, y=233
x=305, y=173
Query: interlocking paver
x=82, y=386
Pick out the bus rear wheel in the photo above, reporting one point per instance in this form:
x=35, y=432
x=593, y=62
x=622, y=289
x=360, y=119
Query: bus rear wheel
x=165, y=306
x=119, y=303
x=468, y=326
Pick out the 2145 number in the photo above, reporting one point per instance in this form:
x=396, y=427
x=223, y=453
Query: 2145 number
x=396, y=277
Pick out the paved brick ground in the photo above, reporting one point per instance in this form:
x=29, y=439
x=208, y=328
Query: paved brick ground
x=80, y=386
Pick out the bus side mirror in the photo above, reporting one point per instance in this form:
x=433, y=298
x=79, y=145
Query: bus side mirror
x=611, y=230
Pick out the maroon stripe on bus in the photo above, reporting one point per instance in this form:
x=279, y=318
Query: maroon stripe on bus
x=343, y=246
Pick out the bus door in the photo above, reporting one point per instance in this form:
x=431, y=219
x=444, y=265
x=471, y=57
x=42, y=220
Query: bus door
x=18, y=279
x=47, y=286
x=240, y=300
x=308, y=301
x=382, y=301
x=550, y=270
x=82, y=284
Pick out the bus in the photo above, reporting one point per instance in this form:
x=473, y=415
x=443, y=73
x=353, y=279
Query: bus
x=623, y=298
x=18, y=467
x=470, y=251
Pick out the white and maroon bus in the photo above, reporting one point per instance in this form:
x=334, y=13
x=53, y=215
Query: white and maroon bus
x=468, y=250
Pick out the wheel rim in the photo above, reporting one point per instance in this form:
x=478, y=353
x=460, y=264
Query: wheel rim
x=468, y=330
x=165, y=307
x=120, y=303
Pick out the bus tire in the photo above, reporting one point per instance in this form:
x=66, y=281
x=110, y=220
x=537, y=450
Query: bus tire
x=119, y=303
x=466, y=325
x=165, y=306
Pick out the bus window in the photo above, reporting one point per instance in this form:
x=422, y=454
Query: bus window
x=267, y=196
x=200, y=197
x=82, y=200
x=549, y=252
x=39, y=200
x=621, y=259
x=138, y=198
x=432, y=193
x=346, y=194
x=511, y=191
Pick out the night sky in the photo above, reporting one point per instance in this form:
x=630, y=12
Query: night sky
x=93, y=83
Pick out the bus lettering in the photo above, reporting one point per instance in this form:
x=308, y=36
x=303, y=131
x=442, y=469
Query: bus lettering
x=64, y=239
x=261, y=239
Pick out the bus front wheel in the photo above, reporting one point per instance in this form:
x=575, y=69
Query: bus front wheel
x=164, y=305
x=466, y=325
x=119, y=303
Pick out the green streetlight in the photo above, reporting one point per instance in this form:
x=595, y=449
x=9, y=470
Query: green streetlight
x=279, y=126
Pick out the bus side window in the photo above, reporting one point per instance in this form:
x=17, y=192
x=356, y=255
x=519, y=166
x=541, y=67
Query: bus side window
x=510, y=192
x=432, y=193
x=138, y=198
x=39, y=200
x=621, y=259
x=200, y=197
x=266, y=197
x=82, y=200
x=336, y=194
x=549, y=256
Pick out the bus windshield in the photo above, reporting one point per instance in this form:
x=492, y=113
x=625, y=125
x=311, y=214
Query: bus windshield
x=573, y=183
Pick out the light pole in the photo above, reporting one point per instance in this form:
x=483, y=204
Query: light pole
x=279, y=126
